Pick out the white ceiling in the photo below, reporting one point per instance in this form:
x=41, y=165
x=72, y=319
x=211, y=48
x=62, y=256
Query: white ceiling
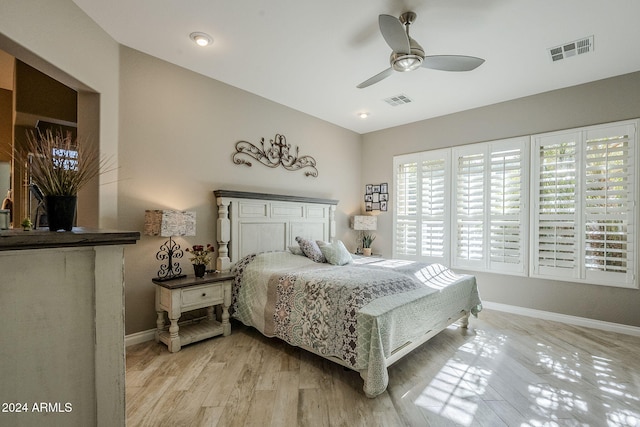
x=310, y=54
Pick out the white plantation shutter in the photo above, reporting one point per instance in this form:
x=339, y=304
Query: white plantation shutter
x=610, y=196
x=434, y=201
x=556, y=205
x=490, y=224
x=507, y=206
x=421, y=214
x=469, y=190
x=585, y=205
x=406, y=209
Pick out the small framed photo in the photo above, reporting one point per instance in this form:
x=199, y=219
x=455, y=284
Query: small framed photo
x=383, y=206
x=368, y=189
x=375, y=188
x=384, y=188
x=368, y=206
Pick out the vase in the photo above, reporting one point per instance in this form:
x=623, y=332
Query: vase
x=366, y=251
x=61, y=212
x=199, y=270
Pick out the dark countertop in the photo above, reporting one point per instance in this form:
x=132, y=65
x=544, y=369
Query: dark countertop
x=191, y=280
x=18, y=239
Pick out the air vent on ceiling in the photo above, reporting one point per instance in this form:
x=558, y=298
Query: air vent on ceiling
x=394, y=101
x=576, y=47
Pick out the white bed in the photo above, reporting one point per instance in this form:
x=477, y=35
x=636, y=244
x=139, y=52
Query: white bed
x=365, y=315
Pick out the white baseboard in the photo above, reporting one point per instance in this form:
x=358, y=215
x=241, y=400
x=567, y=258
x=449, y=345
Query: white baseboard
x=138, y=337
x=143, y=336
x=564, y=318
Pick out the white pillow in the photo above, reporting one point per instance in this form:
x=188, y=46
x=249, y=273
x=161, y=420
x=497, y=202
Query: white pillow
x=335, y=253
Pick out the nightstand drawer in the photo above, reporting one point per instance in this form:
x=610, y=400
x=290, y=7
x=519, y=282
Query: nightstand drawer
x=202, y=294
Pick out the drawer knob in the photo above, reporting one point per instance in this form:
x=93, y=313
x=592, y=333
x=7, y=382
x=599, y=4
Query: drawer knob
x=204, y=294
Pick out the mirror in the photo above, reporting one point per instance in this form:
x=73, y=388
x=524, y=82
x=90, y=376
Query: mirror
x=5, y=179
x=6, y=206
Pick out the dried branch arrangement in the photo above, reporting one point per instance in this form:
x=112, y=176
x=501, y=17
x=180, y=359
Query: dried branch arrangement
x=60, y=165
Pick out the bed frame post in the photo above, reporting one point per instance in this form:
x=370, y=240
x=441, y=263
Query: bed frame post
x=223, y=262
x=464, y=320
x=332, y=222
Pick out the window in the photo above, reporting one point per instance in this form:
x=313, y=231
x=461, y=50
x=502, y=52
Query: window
x=469, y=193
x=585, y=206
x=507, y=206
x=490, y=206
x=421, y=213
x=464, y=206
x=571, y=216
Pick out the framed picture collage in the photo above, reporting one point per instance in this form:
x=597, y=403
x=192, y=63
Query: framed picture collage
x=376, y=197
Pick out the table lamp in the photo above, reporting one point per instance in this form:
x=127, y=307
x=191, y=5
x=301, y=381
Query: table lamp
x=169, y=223
x=362, y=223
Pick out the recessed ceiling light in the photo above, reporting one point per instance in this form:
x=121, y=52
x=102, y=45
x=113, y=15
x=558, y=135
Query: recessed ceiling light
x=363, y=115
x=201, y=39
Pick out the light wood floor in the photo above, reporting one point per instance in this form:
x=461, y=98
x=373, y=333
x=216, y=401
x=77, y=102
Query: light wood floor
x=505, y=370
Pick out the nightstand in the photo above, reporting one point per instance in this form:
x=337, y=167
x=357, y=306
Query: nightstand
x=191, y=293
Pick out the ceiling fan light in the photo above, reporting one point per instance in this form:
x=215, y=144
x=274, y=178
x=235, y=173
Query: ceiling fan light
x=405, y=63
x=201, y=39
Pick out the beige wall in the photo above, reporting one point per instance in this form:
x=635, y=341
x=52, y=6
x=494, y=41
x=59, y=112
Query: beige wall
x=603, y=101
x=177, y=135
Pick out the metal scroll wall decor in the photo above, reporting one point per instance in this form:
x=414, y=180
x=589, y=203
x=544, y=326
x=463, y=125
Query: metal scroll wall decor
x=277, y=153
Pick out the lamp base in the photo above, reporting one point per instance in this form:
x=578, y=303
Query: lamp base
x=171, y=270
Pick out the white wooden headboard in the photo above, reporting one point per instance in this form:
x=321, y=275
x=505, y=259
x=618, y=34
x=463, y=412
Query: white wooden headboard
x=257, y=222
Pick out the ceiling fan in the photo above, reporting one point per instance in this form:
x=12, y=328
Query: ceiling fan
x=408, y=55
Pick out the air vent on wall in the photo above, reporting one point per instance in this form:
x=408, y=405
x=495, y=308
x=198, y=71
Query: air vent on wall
x=394, y=101
x=576, y=47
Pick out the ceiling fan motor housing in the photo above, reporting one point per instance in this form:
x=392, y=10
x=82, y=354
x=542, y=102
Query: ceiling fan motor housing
x=405, y=62
x=408, y=61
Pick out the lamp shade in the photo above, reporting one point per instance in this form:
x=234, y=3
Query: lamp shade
x=167, y=223
x=364, y=222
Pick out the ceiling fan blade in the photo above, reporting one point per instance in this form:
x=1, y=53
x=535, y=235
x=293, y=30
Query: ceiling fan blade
x=452, y=62
x=394, y=34
x=375, y=79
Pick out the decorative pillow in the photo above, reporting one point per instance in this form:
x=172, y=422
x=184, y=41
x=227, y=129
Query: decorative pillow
x=335, y=253
x=296, y=250
x=311, y=249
